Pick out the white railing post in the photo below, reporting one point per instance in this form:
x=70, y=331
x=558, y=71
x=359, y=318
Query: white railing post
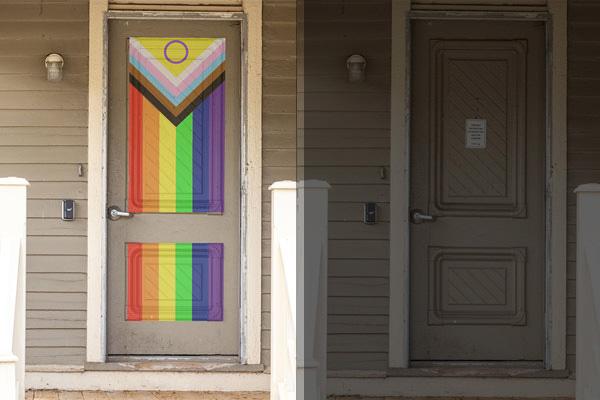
x=13, y=212
x=312, y=289
x=283, y=290
x=299, y=290
x=588, y=292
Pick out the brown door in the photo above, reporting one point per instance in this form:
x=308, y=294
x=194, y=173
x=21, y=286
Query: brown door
x=477, y=190
x=174, y=166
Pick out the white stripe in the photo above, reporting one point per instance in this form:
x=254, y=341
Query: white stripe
x=176, y=80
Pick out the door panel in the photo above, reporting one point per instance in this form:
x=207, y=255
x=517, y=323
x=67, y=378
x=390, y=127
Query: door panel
x=477, y=167
x=174, y=165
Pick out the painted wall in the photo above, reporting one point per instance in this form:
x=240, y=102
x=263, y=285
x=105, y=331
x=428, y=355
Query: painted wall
x=583, y=119
x=43, y=138
x=347, y=139
x=279, y=126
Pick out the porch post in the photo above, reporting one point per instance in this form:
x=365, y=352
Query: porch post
x=588, y=292
x=283, y=290
x=299, y=290
x=13, y=206
x=312, y=289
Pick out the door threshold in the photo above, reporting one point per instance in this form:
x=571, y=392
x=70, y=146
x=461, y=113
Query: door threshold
x=477, y=364
x=475, y=369
x=174, y=357
x=174, y=364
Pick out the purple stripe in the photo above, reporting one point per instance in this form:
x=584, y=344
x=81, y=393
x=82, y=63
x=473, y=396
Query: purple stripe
x=217, y=157
x=215, y=275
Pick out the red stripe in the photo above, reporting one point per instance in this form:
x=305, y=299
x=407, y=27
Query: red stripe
x=134, y=282
x=135, y=150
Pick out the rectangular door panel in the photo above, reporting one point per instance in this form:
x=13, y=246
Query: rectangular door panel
x=175, y=282
x=472, y=79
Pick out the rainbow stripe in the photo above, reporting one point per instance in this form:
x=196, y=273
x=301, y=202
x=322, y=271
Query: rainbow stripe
x=176, y=125
x=175, y=282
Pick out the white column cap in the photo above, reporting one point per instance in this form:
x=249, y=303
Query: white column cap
x=283, y=185
x=588, y=187
x=12, y=181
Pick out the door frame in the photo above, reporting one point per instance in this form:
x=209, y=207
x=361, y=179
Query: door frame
x=251, y=169
x=556, y=175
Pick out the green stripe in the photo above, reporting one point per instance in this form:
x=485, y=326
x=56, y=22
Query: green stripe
x=183, y=281
x=185, y=164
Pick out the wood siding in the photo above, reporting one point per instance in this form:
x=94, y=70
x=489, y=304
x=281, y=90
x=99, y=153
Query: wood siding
x=480, y=5
x=583, y=120
x=279, y=127
x=347, y=143
x=43, y=138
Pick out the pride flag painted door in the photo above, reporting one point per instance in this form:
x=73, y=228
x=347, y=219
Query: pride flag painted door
x=174, y=165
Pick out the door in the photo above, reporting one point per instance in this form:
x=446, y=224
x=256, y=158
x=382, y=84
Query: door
x=174, y=167
x=477, y=203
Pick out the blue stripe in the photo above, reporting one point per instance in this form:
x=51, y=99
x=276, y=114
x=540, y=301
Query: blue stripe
x=176, y=100
x=201, y=158
x=200, y=280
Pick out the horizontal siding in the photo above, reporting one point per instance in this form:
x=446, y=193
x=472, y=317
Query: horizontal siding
x=346, y=142
x=583, y=119
x=480, y=5
x=43, y=137
x=279, y=127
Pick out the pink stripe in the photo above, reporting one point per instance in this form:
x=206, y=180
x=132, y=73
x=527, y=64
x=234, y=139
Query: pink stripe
x=202, y=67
x=165, y=81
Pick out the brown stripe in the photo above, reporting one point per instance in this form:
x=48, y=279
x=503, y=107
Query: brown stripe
x=176, y=110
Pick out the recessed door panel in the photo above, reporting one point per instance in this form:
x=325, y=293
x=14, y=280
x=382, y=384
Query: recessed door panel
x=477, y=184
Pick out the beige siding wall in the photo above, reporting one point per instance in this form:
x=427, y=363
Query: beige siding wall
x=43, y=138
x=279, y=125
x=347, y=139
x=583, y=122
x=480, y=5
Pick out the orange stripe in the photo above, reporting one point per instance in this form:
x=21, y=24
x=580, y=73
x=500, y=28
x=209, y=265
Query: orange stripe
x=135, y=148
x=134, y=284
x=150, y=282
x=150, y=157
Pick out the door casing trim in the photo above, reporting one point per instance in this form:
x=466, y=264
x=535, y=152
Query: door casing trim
x=556, y=176
x=251, y=171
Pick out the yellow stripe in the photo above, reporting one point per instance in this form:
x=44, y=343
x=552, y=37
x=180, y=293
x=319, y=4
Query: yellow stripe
x=167, y=175
x=166, y=281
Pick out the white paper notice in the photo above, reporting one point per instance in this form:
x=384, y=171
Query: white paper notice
x=475, y=133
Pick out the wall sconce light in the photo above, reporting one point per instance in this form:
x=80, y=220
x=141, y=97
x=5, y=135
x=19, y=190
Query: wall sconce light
x=356, y=65
x=54, y=65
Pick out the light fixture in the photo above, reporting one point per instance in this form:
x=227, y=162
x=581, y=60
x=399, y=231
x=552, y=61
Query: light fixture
x=54, y=65
x=356, y=65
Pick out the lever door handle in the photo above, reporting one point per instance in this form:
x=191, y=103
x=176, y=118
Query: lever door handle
x=418, y=217
x=114, y=213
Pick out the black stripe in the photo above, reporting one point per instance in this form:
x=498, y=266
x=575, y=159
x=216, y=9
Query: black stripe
x=176, y=119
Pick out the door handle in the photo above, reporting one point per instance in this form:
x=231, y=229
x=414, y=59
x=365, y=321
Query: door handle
x=418, y=217
x=114, y=213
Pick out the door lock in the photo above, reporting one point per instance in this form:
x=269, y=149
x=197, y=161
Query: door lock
x=417, y=216
x=114, y=213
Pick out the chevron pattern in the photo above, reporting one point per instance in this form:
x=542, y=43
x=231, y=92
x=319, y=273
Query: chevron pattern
x=176, y=125
x=176, y=74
